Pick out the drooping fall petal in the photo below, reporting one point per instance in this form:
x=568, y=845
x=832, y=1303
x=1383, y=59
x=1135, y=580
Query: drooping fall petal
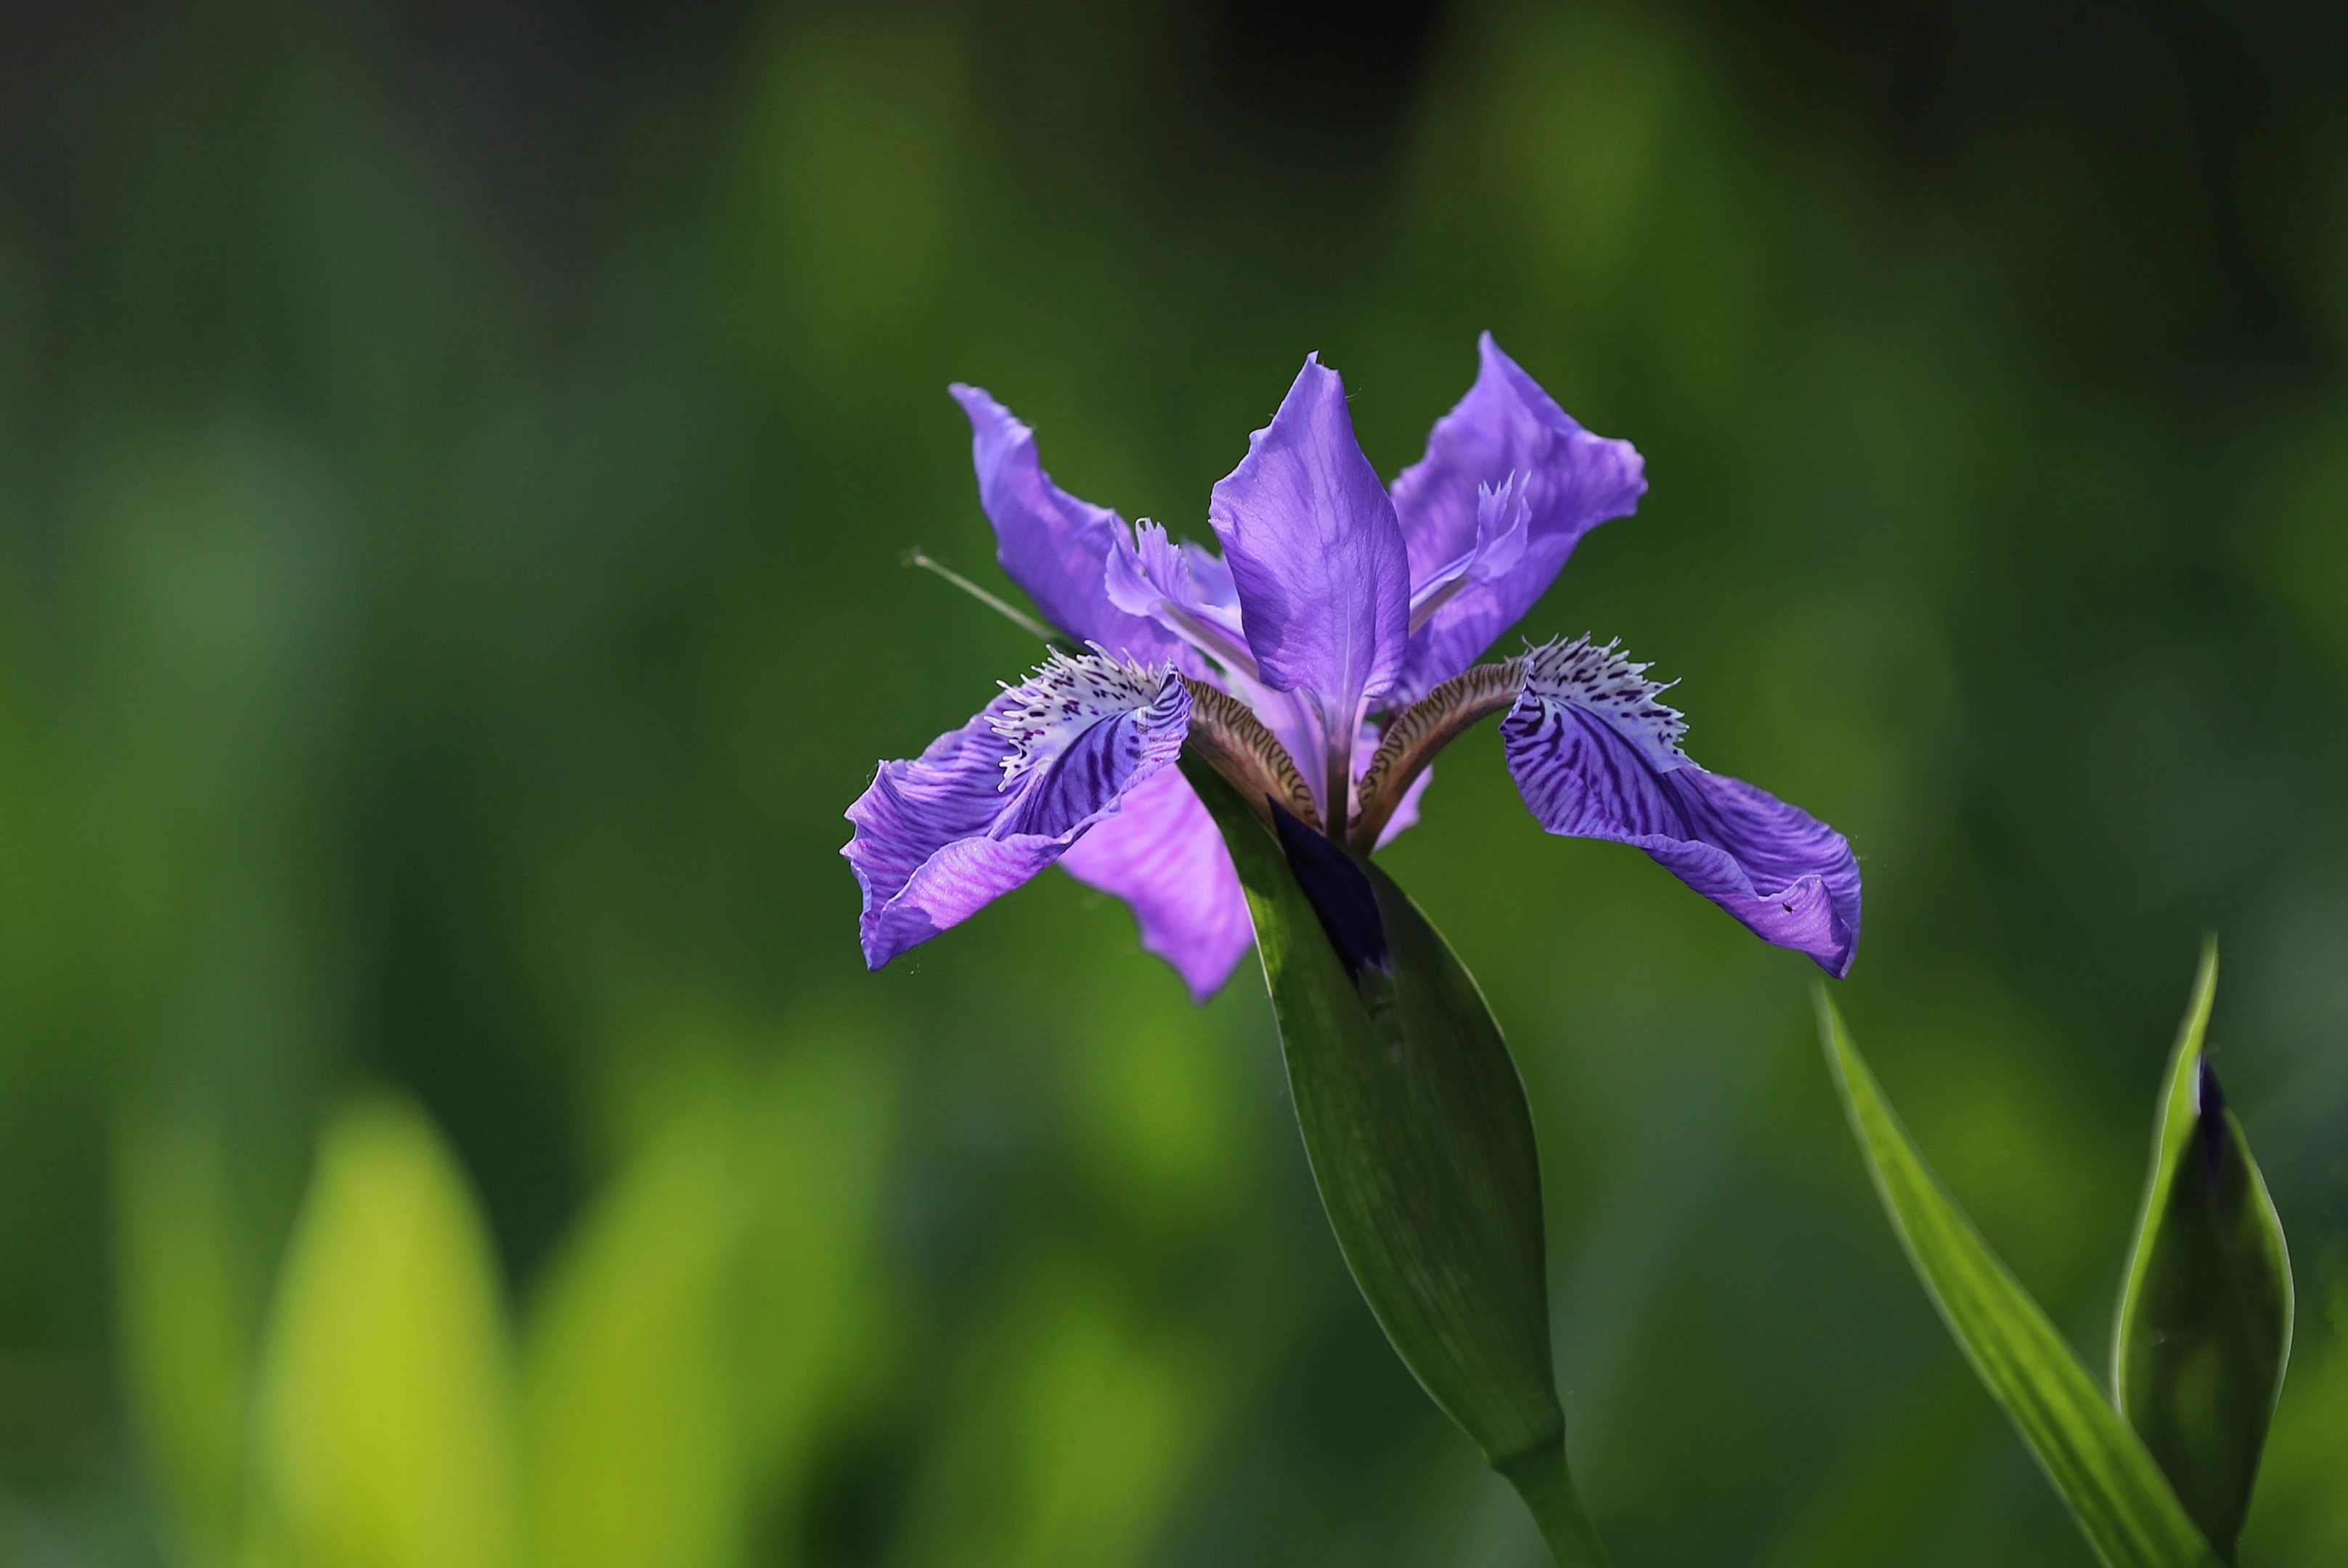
x=1597, y=756
x=1163, y=855
x=989, y=805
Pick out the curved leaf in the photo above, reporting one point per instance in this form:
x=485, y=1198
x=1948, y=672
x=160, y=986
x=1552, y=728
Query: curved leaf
x=383, y=1420
x=2094, y=1458
x=1421, y=1143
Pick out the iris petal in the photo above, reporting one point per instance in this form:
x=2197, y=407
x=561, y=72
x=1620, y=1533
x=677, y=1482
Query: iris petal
x=1185, y=589
x=989, y=805
x=1569, y=480
x=1052, y=545
x=1596, y=755
x=1162, y=853
x=1501, y=533
x=1314, y=551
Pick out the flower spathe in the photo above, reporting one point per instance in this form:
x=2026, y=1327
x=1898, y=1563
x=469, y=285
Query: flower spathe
x=1320, y=661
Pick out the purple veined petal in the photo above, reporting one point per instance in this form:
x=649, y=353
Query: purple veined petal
x=1569, y=480
x=1318, y=560
x=1597, y=756
x=989, y=805
x=1186, y=590
x=1052, y=545
x=1502, y=532
x=1162, y=853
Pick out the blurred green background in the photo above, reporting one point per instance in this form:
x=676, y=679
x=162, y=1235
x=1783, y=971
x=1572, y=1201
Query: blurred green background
x=454, y=461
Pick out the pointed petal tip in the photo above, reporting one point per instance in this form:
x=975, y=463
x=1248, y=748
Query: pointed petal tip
x=1505, y=426
x=979, y=404
x=1054, y=545
x=1317, y=558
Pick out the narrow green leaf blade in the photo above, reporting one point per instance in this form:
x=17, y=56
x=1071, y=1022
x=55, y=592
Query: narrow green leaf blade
x=1422, y=1144
x=2095, y=1459
x=2205, y=1318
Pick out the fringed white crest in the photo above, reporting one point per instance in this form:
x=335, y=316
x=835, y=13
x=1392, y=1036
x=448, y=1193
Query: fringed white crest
x=1601, y=680
x=1068, y=695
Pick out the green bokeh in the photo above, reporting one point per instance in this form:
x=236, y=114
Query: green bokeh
x=453, y=467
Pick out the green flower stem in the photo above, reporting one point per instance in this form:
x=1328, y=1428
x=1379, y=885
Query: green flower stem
x=1542, y=1479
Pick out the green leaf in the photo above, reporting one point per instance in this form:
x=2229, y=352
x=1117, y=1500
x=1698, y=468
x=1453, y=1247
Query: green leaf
x=384, y=1418
x=715, y=1298
x=2097, y=1462
x=630, y=1401
x=183, y=1328
x=2205, y=1318
x=1422, y=1144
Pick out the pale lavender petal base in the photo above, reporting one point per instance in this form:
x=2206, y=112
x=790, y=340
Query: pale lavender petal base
x=1162, y=853
x=1405, y=811
x=1789, y=877
x=939, y=837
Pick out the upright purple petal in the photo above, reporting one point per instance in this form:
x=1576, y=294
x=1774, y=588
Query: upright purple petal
x=1162, y=853
x=989, y=805
x=1597, y=756
x=1323, y=575
x=1051, y=544
x=1503, y=528
x=1569, y=479
x=1188, y=590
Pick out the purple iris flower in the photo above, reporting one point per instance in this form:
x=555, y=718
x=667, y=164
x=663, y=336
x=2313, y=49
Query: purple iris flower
x=1319, y=662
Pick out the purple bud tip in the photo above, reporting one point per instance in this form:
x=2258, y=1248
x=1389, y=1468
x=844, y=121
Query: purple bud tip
x=2211, y=1127
x=1338, y=890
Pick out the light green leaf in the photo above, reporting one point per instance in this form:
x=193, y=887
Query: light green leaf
x=713, y=1300
x=2205, y=1318
x=1422, y=1144
x=383, y=1426
x=184, y=1331
x=1069, y=1433
x=2095, y=1461
x=631, y=1411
